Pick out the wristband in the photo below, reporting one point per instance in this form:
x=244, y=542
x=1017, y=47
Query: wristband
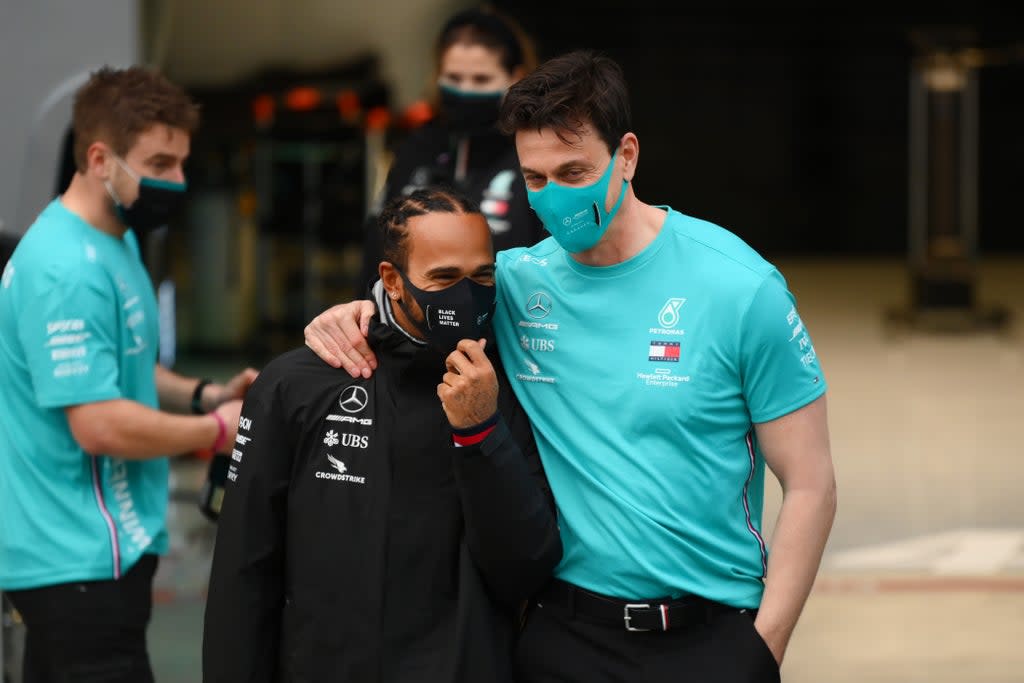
x=197, y=397
x=471, y=436
x=222, y=432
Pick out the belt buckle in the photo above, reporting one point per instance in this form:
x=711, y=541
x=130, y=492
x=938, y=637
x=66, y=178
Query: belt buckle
x=626, y=618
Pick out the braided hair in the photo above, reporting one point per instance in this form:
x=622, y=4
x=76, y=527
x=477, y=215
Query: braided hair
x=393, y=220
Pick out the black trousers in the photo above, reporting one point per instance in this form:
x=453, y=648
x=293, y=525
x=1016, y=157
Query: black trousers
x=555, y=646
x=89, y=631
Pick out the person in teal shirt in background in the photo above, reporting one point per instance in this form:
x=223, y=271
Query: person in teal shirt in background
x=663, y=364
x=86, y=412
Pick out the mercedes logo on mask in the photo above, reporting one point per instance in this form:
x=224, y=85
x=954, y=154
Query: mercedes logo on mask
x=353, y=399
x=538, y=305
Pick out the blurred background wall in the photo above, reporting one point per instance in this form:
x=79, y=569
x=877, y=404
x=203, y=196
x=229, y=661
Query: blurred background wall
x=209, y=44
x=38, y=79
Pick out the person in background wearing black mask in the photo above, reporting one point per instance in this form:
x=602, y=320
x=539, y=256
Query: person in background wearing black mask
x=86, y=412
x=370, y=531
x=479, y=55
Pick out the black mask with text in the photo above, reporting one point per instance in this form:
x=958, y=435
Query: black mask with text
x=461, y=311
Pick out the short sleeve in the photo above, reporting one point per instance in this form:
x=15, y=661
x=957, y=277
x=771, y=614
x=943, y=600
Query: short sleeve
x=69, y=330
x=779, y=367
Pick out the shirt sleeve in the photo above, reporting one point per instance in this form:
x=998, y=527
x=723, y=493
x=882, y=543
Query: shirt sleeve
x=778, y=364
x=68, y=327
x=245, y=603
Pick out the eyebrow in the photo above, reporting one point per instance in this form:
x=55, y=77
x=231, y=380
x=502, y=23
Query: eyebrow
x=161, y=156
x=453, y=271
x=468, y=74
x=561, y=167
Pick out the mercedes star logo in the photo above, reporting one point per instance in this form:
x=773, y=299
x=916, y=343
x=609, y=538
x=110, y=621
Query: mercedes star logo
x=353, y=399
x=538, y=305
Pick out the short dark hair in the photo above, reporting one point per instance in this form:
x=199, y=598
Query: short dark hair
x=493, y=30
x=568, y=92
x=116, y=105
x=393, y=220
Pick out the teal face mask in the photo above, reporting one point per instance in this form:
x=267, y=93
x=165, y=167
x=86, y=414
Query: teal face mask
x=575, y=216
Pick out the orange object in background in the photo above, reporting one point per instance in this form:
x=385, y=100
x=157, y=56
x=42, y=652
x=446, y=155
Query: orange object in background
x=247, y=203
x=378, y=118
x=349, y=106
x=302, y=99
x=263, y=109
x=417, y=113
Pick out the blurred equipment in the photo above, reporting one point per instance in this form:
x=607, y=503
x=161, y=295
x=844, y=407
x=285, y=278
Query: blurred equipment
x=220, y=249
x=943, y=182
x=12, y=642
x=282, y=172
x=211, y=495
x=311, y=162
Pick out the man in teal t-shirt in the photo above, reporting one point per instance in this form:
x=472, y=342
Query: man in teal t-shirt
x=61, y=346
x=663, y=364
x=83, y=480
x=643, y=391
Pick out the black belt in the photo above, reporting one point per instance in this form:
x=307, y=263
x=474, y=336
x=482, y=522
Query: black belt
x=662, y=614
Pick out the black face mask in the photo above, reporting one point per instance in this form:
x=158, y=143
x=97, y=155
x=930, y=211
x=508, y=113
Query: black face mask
x=470, y=112
x=462, y=311
x=156, y=204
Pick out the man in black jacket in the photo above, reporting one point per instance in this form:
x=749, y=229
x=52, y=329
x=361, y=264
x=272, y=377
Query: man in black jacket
x=370, y=531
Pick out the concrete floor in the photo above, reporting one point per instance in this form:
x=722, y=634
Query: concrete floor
x=936, y=634
x=923, y=578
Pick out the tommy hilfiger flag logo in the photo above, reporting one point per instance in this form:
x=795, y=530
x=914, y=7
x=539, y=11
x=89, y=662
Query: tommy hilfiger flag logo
x=666, y=351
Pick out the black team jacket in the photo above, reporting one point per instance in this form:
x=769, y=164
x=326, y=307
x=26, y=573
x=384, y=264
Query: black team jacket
x=356, y=544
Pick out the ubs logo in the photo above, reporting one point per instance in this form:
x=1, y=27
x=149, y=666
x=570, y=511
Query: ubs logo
x=353, y=399
x=536, y=343
x=538, y=305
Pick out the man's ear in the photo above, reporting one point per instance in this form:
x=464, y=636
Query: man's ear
x=630, y=152
x=392, y=280
x=97, y=160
